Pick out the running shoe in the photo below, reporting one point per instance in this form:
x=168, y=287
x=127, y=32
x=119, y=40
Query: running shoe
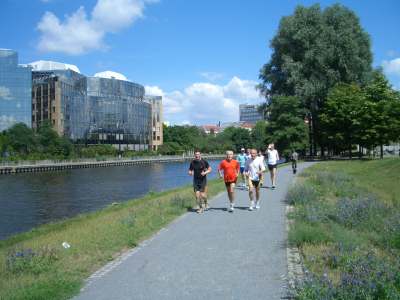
x=257, y=205
x=200, y=210
x=273, y=187
x=231, y=208
x=251, y=207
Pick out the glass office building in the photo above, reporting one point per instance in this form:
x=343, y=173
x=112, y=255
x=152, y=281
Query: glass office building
x=249, y=113
x=15, y=91
x=59, y=97
x=118, y=114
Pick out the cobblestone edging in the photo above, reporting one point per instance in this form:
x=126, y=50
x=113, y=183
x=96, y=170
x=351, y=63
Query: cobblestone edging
x=294, y=261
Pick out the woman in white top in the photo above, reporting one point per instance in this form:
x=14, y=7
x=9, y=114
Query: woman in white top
x=273, y=158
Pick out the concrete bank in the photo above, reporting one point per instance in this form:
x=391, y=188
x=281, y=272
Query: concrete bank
x=56, y=166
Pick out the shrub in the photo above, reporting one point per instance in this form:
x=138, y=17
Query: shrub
x=353, y=212
x=26, y=260
x=301, y=194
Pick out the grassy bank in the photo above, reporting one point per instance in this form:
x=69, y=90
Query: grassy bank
x=347, y=226
x=35, y=265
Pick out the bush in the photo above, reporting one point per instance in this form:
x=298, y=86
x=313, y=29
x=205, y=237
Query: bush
x=301, y=194
x=308, y=233
x=353, y=212
x=363, y=276
x=26, y=260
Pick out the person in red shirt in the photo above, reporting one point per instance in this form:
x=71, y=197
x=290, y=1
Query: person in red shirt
x=230, y=169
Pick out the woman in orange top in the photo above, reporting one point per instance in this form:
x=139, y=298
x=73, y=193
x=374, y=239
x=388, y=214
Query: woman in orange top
x=230, y=169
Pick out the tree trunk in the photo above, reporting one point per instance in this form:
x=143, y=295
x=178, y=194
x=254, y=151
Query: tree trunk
x=350, y=154
x=381, y=146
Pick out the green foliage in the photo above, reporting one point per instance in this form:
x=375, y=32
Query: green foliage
x=342, y=116
x=259, y=135
x=368, y=116
x=178, y=139
x=313, y=51
x=286, y=126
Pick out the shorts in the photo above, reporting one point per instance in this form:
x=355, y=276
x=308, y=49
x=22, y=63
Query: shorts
x=241, y=170
x=199, y=185
x=254, y=183
x=229, y=183
x=271, y=167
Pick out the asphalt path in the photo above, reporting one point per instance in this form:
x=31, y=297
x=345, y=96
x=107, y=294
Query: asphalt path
x=214, y=255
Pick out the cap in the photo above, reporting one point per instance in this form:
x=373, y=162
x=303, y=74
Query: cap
x=242, y=149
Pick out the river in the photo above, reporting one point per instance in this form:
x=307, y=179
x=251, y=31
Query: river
x=30, y=199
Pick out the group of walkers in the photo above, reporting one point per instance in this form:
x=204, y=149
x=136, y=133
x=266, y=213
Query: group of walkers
x=249, y=164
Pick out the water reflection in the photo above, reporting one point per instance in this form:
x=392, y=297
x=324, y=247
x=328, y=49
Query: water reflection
x=27, y=200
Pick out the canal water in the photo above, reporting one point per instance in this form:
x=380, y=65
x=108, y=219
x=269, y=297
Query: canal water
x=30, y=199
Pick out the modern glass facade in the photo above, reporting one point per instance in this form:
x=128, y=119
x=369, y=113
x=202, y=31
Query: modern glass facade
x=249, y=113
x=15, y=91
x=118, y=114
x=59, y=96
x=156, y=139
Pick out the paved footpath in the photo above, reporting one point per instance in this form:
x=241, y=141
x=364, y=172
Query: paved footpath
x=215, y=255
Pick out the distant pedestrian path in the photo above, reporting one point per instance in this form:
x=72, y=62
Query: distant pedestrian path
x=215, y=255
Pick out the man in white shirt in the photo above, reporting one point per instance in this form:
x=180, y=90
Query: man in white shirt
x=254, y=170
x=273, y=158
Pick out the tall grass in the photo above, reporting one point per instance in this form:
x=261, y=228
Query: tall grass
x=347, y=226
x=35, y=265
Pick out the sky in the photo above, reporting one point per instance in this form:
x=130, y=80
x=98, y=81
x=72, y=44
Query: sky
x=203, y=57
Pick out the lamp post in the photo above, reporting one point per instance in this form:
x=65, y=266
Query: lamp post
x=308, y=120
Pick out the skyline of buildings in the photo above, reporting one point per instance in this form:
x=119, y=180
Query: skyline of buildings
x=104, y=108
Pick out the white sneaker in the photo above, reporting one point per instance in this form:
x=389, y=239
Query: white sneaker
x=257, y=205
x=251, y=205
x=231, y=208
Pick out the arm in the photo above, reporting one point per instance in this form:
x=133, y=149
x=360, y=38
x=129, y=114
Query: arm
x=191, y=169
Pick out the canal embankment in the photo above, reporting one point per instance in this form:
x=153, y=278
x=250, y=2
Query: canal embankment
x=45, y=166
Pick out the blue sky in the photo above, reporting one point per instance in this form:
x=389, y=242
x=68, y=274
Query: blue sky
x=202, y=56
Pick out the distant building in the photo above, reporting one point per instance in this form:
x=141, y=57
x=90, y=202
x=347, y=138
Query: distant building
x=104, y=109
x=59, y=97
x=244, y=125
x=211, y=129
x=15, y=91
x=118, y=113
x=249, y=113
x=156, y=139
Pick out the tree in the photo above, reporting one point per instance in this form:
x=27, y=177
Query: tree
x=312, y=52
x=259, y=135
x=383, y=111
x=22, y=138
x=286, y=127
x=342, y=116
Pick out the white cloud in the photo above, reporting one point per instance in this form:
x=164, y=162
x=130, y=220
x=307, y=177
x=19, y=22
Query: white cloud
x=392, y=66
x=5, y=93
x=6, y=122
x=207, y=103
x=392, y=53
x=212, y=76
x=79, y=33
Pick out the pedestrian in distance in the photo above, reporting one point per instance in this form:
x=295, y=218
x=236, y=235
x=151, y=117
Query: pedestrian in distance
x=273, y=158
x=294, y=158
x=254, y=170
x=241, y=158
x=229, y=169
x=199, y=168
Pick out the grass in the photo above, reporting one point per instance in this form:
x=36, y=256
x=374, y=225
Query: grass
x=35, y=265
x=347, y=226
